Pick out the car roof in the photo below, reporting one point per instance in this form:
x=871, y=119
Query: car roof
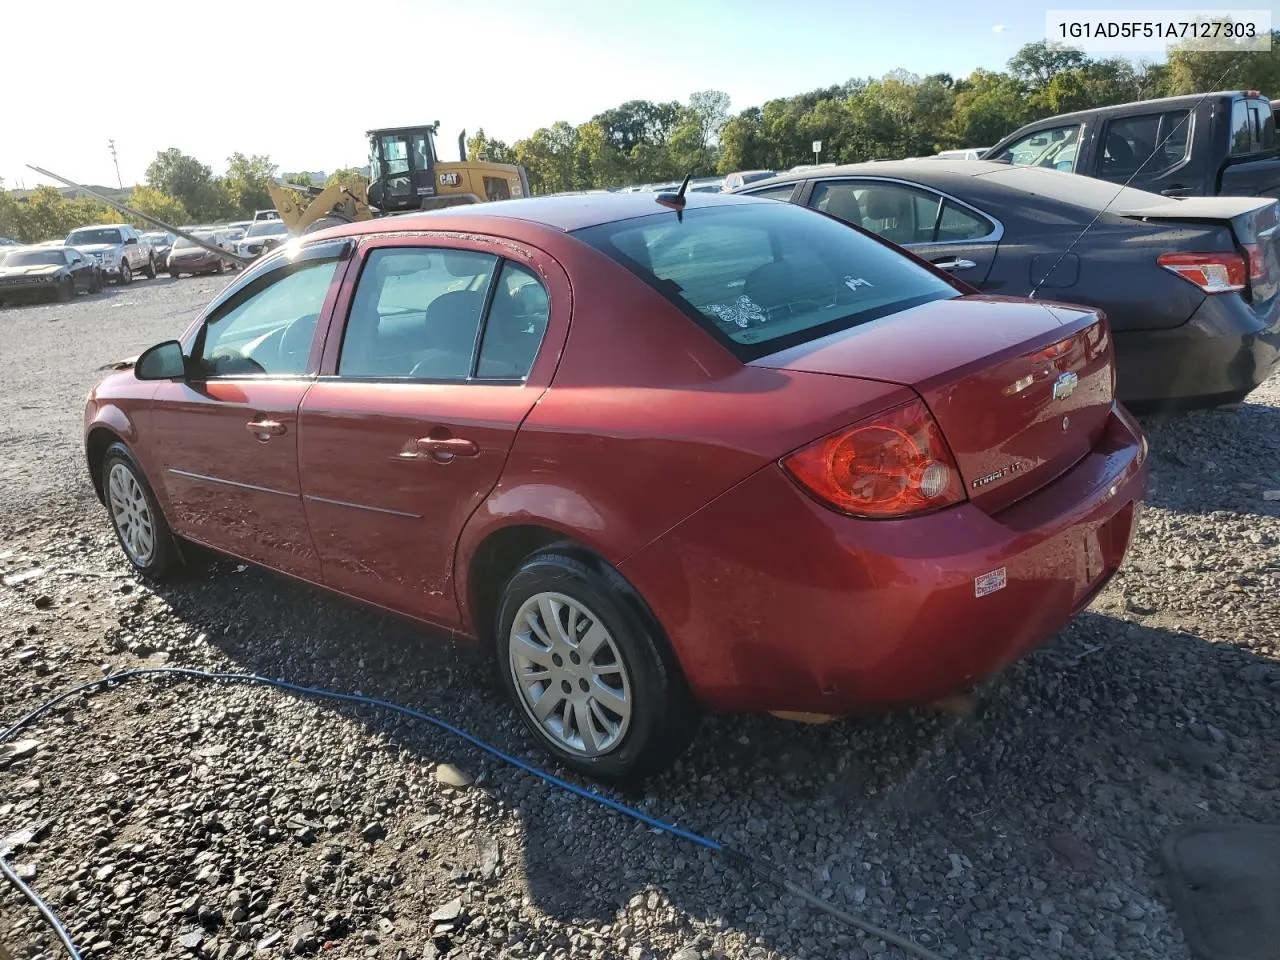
x=1158, y=103
x=563, y=213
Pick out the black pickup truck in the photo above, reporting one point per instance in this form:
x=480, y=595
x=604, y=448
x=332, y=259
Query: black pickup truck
x=1202, y=145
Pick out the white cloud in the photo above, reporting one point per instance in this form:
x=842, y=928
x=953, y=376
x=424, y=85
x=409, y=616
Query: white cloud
x=999, y=28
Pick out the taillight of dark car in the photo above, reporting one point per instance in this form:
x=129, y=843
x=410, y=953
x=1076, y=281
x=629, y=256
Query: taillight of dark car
x=892, y=465
x=1211, y=272
x=1259, y=268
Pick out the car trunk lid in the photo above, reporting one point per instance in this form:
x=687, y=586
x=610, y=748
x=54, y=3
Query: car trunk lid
x=1252, y=221
x=1021, y=390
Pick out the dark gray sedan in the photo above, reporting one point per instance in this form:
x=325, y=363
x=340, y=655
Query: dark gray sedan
x=1190, y=286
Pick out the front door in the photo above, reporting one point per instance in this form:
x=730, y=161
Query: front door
x=950, y=234
x=406, y=432
x=226, y=436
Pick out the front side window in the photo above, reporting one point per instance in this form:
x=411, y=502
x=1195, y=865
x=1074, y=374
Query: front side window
x=268, y=327
x=765, y=276
x=416, y=314
x=1054, y=148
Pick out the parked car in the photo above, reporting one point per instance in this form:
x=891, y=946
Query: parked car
x=49, y=273
x=161, y=243
x=744, y=177
x=1190, y=286
x=49, y=243
x=189, y=258
x=261, y=237
x=777, y=465
x=970, y=153
x=120, y=252
x=1201, y=145
x=6, y=242
x=705, y=184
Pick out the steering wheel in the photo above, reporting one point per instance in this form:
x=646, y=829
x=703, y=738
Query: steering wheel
x=298, y=335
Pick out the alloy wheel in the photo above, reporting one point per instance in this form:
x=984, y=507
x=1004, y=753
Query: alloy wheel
x=570, y=675
x=131, y=514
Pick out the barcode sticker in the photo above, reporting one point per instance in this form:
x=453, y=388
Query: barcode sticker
x=990, y=582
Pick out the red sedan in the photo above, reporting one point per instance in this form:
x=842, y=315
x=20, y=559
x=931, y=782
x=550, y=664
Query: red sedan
x=660, y=455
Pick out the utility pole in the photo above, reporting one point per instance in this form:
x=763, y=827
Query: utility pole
x=111, y=145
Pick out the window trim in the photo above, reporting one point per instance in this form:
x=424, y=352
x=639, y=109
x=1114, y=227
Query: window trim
x=491, y=289
x=996, y=234
x=757, y=190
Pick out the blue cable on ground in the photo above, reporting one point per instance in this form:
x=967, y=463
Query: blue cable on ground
x=762, y=868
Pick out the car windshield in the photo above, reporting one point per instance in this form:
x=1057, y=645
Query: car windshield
x=765, y=276
x=94, y=235
x=267, y=228
x=32, y=258
x=182, y=243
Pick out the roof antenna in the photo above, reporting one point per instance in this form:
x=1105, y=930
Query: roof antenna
x=676, y=199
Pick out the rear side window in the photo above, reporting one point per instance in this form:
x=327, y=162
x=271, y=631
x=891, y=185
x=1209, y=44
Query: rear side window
x=763, y=277
x=781, y=192
x=1253, y=127
x=1152, y=142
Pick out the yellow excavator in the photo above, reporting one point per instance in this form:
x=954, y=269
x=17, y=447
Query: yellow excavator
x=405, y=176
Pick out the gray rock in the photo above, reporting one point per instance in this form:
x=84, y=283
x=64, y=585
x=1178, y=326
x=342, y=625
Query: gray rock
x=191, y=940
x=451, y=776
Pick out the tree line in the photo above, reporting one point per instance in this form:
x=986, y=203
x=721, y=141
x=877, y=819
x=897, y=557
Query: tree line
x=640, y=141
x=898, y=115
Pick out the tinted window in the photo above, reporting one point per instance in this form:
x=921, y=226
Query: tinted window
x=1151, y=143
x=416, y=313
x=906, y=215
x=268, y=328
x=515, y=325
x=1241, y=128
x=1054, y=148
x=768, y=275
x=780, y=192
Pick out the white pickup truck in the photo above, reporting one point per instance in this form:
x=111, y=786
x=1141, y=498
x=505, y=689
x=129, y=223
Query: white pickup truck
x=120, y=252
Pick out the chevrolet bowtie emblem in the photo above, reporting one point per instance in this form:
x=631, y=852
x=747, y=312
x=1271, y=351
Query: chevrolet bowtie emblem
x=1065, y=385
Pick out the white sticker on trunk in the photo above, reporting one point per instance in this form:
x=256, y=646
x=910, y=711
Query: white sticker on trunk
x=990, y=582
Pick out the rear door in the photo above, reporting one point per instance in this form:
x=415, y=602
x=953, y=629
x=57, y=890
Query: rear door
x=438, y=352
x=953, y=235
x=226, y=436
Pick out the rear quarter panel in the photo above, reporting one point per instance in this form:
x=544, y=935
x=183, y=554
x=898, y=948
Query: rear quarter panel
x=649, y=419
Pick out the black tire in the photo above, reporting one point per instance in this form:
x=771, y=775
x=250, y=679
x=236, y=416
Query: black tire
x=218, y=267
x=66, y=290
x=150, y=270
x=95, y=285
x=163, y=559
x=126, y=273
x=174, y=275
x=664, y=716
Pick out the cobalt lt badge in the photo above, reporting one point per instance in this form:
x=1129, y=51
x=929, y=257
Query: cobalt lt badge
x=1065, y=385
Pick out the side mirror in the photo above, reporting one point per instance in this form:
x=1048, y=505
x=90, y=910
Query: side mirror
x=130, y=240
x=164, y=361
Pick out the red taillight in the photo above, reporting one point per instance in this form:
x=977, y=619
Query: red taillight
x=890, y=465
x=1211, y=272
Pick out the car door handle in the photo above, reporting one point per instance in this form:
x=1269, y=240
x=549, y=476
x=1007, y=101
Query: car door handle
x=444, y=449
x=1174, y=191
x=954, y=264
x=265, y=429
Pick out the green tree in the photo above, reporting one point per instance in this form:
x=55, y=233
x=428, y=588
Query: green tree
x=742, y=143
x=246, y=182
x=987, y=106
x=1192, y=69
x=151, y=201
x=182, y=176
x=482, y=147
x=1035, y=64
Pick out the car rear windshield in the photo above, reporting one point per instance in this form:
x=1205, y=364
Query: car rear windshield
x=102, y=235
x=765, y=276
x=182, y=243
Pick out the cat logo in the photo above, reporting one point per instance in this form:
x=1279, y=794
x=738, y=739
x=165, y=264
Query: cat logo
x=450, y=179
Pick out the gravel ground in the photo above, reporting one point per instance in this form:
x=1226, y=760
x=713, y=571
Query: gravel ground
x=190, y=820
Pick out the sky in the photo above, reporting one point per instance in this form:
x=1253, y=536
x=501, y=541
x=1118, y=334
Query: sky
x=301, y=82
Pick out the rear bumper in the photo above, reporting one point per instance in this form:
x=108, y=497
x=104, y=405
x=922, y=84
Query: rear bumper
x=773, y=602
x=1222, y=353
